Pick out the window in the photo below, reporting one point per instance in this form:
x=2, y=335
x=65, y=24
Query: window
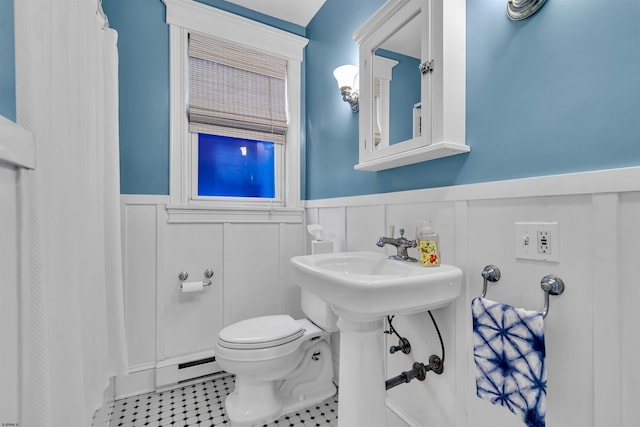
x=237, y=149
x=235, y=167
x=238, y=108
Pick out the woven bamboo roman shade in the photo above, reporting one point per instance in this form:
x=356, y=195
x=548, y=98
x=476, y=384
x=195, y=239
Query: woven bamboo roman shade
x=236, y=91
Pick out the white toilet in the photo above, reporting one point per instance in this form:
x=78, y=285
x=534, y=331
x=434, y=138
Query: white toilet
x=281, y=364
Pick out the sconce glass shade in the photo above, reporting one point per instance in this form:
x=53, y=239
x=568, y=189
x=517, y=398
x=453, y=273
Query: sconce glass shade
x=345, y=75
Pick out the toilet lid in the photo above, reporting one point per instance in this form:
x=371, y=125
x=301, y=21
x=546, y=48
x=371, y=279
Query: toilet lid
x=260, y=332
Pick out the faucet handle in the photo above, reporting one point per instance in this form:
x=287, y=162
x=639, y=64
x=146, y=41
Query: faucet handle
x=402, y=232
x=391, y=230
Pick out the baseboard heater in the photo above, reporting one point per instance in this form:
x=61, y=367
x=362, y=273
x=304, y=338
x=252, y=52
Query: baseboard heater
x=180, y=371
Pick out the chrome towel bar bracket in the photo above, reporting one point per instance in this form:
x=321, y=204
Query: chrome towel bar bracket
x=491, y=273
x=550, y=285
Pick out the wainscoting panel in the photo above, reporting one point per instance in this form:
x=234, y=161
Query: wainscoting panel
x=361, y=221
x=590, y=332
x=21, y=315
x=249, y=257
x=139, y=227
x=334, y=220
x=253, y=282
x=9, y=296
x=188, y=322
x=569, y=325
x=291, y=244
x=628, y=295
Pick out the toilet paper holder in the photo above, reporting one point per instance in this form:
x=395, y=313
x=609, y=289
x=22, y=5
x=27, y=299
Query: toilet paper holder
x=208, y=274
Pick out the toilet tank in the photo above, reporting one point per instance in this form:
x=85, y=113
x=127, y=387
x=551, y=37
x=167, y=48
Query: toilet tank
x=318, y=311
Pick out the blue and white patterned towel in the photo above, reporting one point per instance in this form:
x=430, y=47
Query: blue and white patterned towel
x=508, y=348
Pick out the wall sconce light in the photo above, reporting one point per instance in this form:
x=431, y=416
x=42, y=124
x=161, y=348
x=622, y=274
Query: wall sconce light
x=346, y=77
x=518, y=10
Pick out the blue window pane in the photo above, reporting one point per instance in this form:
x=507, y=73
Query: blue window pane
x=234, y=167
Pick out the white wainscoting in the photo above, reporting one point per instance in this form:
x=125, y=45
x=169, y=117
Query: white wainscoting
x=9, y=296
x=591, y=330
x=249, y=257
x=17, y=153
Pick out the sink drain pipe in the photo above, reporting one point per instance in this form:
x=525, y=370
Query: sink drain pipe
x=419, y=371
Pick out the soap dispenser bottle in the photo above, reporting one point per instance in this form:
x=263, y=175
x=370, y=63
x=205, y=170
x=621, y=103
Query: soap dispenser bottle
x=428, y=245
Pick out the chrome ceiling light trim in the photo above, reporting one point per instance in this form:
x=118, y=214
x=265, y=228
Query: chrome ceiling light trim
x=518, y=10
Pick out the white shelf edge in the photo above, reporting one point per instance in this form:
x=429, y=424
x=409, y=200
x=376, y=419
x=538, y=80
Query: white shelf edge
x=417, y=155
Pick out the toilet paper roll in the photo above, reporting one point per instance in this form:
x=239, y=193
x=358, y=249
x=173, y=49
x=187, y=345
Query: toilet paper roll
x=191, y=286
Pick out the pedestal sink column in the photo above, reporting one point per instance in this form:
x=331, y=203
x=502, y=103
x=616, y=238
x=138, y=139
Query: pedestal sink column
x=362, y=396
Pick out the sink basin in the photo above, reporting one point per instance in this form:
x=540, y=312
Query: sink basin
x=370, y=284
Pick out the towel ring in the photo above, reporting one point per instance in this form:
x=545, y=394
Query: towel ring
x=550, y=285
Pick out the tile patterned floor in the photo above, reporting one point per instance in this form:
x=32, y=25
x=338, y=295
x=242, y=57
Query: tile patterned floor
x=200, y=405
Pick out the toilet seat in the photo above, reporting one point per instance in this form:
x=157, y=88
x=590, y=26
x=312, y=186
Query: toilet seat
x=260, y=332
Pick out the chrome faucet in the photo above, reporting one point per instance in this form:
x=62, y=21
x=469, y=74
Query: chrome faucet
x=401, y=244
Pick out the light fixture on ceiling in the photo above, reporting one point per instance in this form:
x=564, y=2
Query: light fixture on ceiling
x=346, y=77
x=522, y=9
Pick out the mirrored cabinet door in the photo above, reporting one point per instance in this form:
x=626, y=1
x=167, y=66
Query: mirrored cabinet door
x=402, y=65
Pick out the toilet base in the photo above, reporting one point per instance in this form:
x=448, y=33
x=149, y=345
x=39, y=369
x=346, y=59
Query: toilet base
x=254, y=403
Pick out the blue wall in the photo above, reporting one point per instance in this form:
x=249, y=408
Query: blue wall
x=331, y=141
x=556, y=93
x=7, y=62
x=143, y=46
x=143, y=50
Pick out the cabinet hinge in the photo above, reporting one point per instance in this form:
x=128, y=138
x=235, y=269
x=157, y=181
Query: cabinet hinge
x=426, y=67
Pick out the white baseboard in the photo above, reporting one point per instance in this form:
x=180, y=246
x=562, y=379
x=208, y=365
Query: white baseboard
x=109, y=393
x=167, y=374
x=140, y=380
x=179, y=371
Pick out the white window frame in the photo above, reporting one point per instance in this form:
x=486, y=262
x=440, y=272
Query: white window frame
x=184, y=16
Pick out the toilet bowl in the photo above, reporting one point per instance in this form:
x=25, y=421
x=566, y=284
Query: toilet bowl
x=281, y=364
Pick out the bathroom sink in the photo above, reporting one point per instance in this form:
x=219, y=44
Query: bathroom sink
x=363, y=287
x=370, y=284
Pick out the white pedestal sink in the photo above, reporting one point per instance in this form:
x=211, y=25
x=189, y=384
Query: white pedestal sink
x=362, y=288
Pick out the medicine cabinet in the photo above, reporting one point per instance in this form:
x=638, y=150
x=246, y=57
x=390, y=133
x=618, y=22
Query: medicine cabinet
x=412, y=83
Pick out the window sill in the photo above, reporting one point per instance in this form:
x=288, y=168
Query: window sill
x=214, y=214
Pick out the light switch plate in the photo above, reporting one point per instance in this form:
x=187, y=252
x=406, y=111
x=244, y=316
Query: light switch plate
x=537, y=241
